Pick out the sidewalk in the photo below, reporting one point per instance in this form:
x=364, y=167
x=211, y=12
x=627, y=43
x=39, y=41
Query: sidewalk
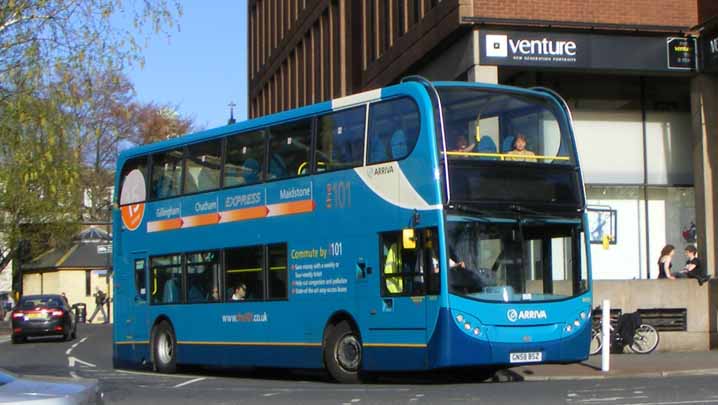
x=4, y=328
x=624, y=366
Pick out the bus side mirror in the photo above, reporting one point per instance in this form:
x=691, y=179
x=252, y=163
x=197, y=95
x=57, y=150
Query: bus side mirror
x=408, y=240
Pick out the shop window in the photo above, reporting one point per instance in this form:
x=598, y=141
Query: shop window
x=245, y=159
x=340, y=140
x=277, y=260
x=132, y=181
x=203, y=277
x=166, y=279
x=289, y=149
x=140, y=279
x=393, y=130
x=166, y=174
x=244, y=278
x=203, y=166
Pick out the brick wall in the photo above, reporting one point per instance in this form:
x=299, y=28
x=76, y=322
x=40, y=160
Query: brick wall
x=682, y=13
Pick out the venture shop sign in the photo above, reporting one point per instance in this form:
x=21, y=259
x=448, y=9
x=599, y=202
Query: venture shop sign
x=587, y=51
x=532, y=49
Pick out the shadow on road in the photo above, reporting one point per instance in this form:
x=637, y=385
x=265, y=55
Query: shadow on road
x=434, y=377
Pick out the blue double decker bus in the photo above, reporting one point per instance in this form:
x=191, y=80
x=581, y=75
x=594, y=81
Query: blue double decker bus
x=418, y=226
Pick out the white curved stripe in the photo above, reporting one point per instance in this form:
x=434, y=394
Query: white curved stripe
x=389, y=182
x=356, y=99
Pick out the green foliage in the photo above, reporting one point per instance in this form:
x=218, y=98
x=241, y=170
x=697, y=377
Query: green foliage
x=65, y=108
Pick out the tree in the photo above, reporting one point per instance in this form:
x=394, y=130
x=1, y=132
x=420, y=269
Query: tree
x=53, y=55
x=54, y=36
x=157, y=122
x=39, y=172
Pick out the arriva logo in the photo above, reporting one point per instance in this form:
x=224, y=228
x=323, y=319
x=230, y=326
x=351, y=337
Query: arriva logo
x=514, y=315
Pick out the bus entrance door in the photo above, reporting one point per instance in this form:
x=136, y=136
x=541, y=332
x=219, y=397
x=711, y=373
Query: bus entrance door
x=137, y=317
x=394, y=307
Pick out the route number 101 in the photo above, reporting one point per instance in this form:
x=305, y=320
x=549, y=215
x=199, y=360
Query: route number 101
x=335, y=249
x=339, y=195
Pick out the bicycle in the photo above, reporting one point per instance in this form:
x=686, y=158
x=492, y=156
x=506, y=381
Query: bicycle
x=645, y=339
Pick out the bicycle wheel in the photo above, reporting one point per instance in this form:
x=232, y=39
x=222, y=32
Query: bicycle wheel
x=596, y=341
x=645, y=340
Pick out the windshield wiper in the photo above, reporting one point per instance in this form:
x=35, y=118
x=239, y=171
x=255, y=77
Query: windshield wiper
x=521, y=210
x=481, y=214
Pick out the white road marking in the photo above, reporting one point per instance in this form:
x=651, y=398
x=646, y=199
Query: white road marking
x=355, y=400
x=68, y=351
x=74, y=375
x=155, y=374
x=610, y=399
x=702, y=401
x=72, y=360
x=190, y=382
x=270, y=394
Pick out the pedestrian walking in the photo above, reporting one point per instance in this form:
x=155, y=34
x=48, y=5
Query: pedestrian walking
x=100, y=299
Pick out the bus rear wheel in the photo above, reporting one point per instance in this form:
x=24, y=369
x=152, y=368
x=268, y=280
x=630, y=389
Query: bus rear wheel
x=164, y=346
x=343, y=353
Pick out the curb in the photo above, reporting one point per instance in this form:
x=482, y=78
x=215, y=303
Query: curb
x=656, y=374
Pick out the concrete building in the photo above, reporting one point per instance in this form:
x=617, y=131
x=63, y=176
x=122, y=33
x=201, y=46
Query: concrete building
x=645, y=113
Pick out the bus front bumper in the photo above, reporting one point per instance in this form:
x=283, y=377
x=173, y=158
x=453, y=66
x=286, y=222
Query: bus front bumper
x=493, y=345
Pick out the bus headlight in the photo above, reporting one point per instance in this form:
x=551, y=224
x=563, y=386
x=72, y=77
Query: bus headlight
x=576, y=323
x=476, y=331
x=569, y=328
x=460, y=318
x=582, y=315
x=467, y=326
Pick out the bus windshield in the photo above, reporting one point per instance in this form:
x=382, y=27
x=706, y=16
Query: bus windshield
x=509, y=260
x=500, y=126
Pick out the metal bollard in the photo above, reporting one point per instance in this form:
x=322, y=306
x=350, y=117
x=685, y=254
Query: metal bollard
x=606, y=336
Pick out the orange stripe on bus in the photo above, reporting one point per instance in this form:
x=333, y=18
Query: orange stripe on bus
x=289, y=208
x=244, y=214
x=200, y=220
x=164, y=225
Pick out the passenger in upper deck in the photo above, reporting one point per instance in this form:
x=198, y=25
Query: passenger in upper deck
x=462, y=144
x=520, y=150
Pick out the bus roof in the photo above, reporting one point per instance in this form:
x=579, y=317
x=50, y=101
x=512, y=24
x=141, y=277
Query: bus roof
x=313, y=109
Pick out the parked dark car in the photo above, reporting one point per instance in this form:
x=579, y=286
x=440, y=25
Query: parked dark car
x=43, y=315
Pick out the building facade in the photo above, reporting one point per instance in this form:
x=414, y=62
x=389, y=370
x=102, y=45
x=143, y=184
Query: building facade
x=76, y=270
x=644, y=105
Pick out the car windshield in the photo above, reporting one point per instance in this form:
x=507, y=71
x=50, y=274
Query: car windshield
x=40, y=301
x=499, y=126
x=513, y=259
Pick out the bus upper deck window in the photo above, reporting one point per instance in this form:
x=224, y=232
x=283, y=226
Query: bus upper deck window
x=166, y=174
x=289, y=149
x=203, y=164
x=244, y=161
x=393, y=130
x=340, y=140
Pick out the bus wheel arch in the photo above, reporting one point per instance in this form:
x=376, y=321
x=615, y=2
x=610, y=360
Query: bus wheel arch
x=342, y=348
x=163, y=345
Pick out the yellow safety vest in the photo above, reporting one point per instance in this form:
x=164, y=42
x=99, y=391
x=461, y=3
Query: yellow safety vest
x=392, y=265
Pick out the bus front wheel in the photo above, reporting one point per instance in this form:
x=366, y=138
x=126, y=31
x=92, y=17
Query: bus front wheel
x=164, y=346
x=343, y=353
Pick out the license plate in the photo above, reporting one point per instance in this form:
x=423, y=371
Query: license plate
x=36, y=316
x=528, y=357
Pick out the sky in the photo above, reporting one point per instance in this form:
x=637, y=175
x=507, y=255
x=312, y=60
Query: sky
x=201, y=68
